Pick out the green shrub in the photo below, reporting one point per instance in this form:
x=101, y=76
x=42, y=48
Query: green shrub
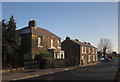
x=42, y=58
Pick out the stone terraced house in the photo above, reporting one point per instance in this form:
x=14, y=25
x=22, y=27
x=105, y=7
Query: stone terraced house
x=33, y=39
x=79, y=53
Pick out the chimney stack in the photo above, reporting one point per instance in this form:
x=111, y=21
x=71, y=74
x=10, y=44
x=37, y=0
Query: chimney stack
x=88, y=43
x=76, y=39
x=67, y=38
x=32, y=23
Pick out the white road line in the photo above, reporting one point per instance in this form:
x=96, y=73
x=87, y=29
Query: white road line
x=43, y=74
x=26, y=77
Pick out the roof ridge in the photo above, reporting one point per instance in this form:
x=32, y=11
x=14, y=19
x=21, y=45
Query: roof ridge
x=81, y=43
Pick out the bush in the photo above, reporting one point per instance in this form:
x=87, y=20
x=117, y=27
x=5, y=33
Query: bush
x=42, y=58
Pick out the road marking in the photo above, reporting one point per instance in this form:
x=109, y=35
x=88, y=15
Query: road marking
x=47, y=73
x=26, y=77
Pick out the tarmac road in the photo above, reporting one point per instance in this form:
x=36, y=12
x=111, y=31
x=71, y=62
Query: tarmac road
x=102, y=71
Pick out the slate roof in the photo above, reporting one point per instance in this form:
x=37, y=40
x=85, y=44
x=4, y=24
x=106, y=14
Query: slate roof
x=39, y=31
x=82, y=43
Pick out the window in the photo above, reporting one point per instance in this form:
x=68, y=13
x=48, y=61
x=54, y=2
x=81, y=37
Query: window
x=33, y=56
x=88, y=58
x=82, y=58
x=19, y=40
x=40, y=42
x=59, y=43
x=52, y=42
x=59, y=54
x=96, y=51
x=89, y=50
x=82, y=50
x=85, y=50
x=93, y=57
x=62, y=54
x=96, y=57
x=93, y=50
x=55, y=53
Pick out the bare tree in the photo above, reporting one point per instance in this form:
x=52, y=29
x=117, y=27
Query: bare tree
x=104, y=45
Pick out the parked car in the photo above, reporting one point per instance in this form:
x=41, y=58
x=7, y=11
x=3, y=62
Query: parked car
x=110, y=57
x=102, y=59
x=107, y=59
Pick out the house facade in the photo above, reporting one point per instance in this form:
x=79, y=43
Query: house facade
x=35, y=39
x=79, y=53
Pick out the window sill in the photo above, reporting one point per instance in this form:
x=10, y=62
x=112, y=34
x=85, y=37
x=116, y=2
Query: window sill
x=52, y=48
x=40, y=46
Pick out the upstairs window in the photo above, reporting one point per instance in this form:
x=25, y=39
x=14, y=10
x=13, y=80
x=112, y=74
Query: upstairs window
x=88, y=58
x=96, y=51
x=93, y=51
x=89, y=50
x=85, y=50
x=82, y=50
x=19, y=40
x=59, y=43
x=40, y=42
x=52, y=42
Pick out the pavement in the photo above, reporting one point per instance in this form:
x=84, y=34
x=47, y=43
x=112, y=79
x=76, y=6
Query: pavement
x=104, y=71
x=118, y=73
x=31, y=73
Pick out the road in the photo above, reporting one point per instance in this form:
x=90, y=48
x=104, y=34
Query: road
x=100, y=71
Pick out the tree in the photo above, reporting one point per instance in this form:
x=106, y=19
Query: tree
x=10, y=41
x=104, y=45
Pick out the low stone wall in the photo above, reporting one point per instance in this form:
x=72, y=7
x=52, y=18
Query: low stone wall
x=13, y=70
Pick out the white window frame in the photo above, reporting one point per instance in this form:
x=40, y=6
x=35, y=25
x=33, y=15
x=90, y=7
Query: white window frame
x=88, y=58
x=82, y=49
x=89, y=50
x=58, y=56
x=52, y=43
x=96, y=51
x=93, y=57
x=82, y=57
x=85, y=50
x=93, y=50
x=96, y=57
x=40, y=42
x=55, y=55
x=58, y=41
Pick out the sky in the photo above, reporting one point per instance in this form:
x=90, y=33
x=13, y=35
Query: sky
x=86, y=21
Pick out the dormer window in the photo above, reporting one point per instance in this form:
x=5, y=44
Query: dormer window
x=40, y=42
